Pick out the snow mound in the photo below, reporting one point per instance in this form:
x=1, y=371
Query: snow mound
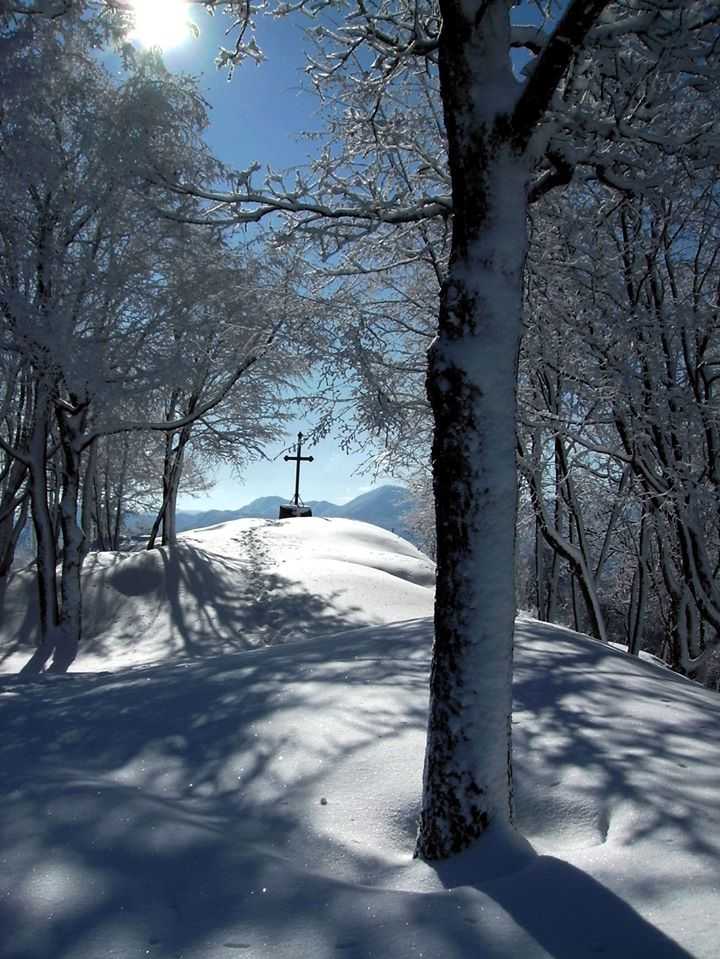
x=236, y=586
x=264, y=803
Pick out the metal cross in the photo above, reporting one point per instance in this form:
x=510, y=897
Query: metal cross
x=298, y=459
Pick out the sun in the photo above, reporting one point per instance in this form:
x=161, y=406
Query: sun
x=160, y=23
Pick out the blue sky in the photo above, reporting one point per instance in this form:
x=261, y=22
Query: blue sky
x=260, y=115
x=328, y=477
x=261, y=112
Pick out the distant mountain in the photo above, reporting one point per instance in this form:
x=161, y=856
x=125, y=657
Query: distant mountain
x=386, y=506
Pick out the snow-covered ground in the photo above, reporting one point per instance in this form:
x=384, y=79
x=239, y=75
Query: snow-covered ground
x=236, y=798
x=232, y=587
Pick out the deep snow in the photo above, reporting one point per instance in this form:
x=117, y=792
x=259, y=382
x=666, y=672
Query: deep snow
x=262, y=802
x=232, y=587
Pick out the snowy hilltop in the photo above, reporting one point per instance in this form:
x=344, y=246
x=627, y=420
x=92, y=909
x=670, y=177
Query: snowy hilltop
x=386, y=506
x=233, y=767
x=232, y=587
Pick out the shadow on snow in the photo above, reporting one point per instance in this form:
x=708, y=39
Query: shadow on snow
x=146, y=815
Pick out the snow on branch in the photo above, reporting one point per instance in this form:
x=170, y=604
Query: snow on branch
x=560, y=173
x=171, y=426
x=305, y=200
x=551, y=65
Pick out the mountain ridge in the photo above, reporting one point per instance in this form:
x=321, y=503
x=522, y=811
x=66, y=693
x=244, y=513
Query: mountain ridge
x=386, y=506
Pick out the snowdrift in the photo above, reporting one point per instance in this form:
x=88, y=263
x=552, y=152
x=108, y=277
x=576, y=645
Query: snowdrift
x=236, y=586
x=262, y=803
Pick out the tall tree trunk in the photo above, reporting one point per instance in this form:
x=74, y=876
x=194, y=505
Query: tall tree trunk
x=10, y=529
x=582, y=573
x=577, y=556
x=159, y=521
x=152, y=537
x=12, y=522
x=167, y=473
x=540, y=574
x=88, y=496
x=73, y=552
x=170, y=513
x=471, y=385
x=553, y=588
x=574, y=577
x=60, y=636
x=107, y=497
x=638, y=611
x=45, y=541
x=46, y=544
x=172, y=475
x=169, y=534
x=120, y=497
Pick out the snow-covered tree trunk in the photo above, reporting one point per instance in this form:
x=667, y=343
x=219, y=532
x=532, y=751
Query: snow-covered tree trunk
x=471, y=383
x=491, y=120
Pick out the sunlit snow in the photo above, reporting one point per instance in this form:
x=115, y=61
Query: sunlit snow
x=242, y=798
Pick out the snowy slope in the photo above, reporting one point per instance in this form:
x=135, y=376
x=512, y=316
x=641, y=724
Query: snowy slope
x=236, y=586
x=262, y=803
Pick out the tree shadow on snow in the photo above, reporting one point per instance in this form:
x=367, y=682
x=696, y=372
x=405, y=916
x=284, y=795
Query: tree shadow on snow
x=146, y=816
x=242, y=607
x=563, y=910
x=151, y=814
x=199, y=603
x=24, y=581
x=624, y=723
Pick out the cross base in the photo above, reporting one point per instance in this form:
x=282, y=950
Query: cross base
x=292, y=510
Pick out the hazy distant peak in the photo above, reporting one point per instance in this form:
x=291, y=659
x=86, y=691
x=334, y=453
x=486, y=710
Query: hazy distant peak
x=386, y=506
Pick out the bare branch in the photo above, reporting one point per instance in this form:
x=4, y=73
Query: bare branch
x=551, y=65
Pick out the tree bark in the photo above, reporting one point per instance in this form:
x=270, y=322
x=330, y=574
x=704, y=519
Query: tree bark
x=638, y=610
x=43, y=526
x=12, y=523
x=68, y=637
x=46, y=548
x=172, y=475
x=120, y=482
x=471, y=386
x=88, y=496
x=490, y=120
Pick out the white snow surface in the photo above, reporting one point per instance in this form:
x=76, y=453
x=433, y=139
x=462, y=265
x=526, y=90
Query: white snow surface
x=235, y=798
x=231, y=587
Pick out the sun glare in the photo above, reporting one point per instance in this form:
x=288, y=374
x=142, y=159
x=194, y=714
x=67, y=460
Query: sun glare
x=160, y=23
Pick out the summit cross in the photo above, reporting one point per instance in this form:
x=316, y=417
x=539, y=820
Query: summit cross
x=298, y=459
